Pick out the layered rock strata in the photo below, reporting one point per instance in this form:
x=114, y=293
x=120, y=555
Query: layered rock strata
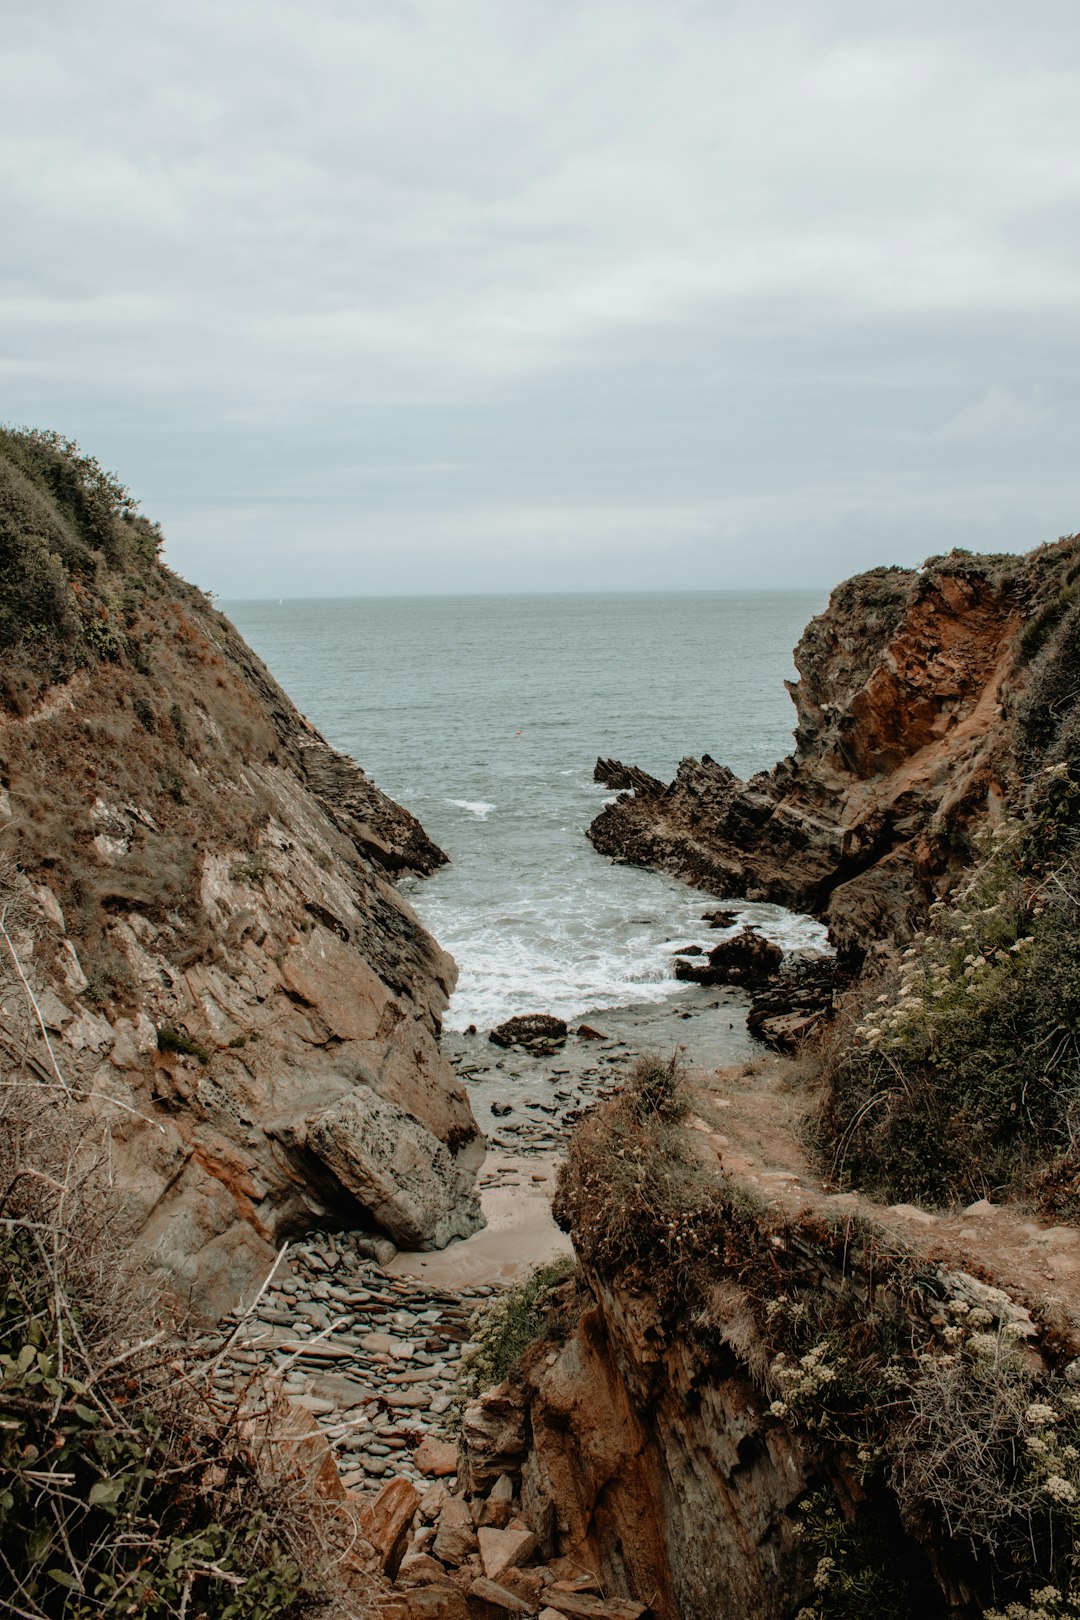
x=903, y=750
x=204, y=948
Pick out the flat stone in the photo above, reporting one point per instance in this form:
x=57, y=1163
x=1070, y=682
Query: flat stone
x=912, y=1213
x=314, y=1403
x=380, y=1343
x=583, y=1606
x=438, y=1458
x=488, y=1591
x=501, y=1550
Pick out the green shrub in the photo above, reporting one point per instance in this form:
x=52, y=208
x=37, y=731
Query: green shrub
x=253, y=869
x=505, y=1327
x=863, y=1566
x=170, y=1039
x=961, y=1079
x=66, y=526
x=125, y=1488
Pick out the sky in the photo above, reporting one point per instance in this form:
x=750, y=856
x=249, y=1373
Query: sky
x=410, y=296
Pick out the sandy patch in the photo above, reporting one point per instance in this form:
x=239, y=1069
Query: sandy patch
x=515, y=1195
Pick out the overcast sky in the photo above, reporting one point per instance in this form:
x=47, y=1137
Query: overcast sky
x=457, y=295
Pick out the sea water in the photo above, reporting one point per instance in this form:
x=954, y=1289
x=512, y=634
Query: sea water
x=485, y=715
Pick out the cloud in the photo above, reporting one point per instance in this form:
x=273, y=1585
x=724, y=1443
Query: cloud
x=608, y=251
x=998, y=414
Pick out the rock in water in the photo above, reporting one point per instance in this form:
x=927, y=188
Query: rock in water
x=903, y=739
x=531, y=1029
x=747, y=959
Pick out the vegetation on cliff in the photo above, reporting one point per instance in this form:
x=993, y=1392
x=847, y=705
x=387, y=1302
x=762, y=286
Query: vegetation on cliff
x=936, y=1424
x=127, y=1486
x=956, y=1074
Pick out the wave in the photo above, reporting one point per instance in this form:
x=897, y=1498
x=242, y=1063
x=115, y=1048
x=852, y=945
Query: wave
x=476, y=807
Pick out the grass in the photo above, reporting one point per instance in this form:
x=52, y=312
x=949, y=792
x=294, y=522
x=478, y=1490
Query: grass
x=505, y=1328
x=127, y=1485
x=958, y=1075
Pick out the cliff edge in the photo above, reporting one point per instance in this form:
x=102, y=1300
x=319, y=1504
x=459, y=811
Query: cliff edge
x=904, y=748
x=202, y=944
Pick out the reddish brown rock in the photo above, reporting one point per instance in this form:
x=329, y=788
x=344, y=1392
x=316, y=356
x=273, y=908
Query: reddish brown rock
x=437, y=1602
x=499, y=1597
x=902, y=745
x=501, y=1550
x=385, y=1522
x=436, y=1458
x=455, y=1538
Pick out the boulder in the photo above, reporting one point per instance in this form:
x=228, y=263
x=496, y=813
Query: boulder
x=528, y=1030
x=455, y=1537
x=396, y=1170
x=745, y=959
x=385, y=1522
x=436, y=1458
x=501, y=1550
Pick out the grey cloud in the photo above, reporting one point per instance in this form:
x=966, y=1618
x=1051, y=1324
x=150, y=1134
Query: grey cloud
x=508, y=295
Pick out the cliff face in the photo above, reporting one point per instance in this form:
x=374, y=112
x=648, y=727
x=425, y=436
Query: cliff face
x=768, y=1399
x=904, y=748
x=199, y=895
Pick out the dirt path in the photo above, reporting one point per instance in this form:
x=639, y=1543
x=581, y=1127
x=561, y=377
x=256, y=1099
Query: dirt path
x=752, y=1119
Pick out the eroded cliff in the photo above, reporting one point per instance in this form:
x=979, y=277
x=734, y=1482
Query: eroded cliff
x=904, y=749
x=199, y=896
x=765, y=1398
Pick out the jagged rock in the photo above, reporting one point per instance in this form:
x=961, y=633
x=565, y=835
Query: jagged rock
x=420, y=1569
x=385, y=1522
x=585, y=1032
x=612, y=773
x=455, y=1537
x=747, y=959
x=902, y=745
x=796, y=1003
x=505, y=1602
x=440, y=1602
x=529, y=1029
x=226, y=880
x=501, y=1550
x=492, y=1437
x=395, y=1169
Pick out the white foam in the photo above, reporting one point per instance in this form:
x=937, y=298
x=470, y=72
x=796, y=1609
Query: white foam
x=573, y=948
x=476, y=807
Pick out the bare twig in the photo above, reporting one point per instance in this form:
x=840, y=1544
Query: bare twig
x=33, y=1002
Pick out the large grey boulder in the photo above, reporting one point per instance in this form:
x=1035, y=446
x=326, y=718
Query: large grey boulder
x=397, y=1170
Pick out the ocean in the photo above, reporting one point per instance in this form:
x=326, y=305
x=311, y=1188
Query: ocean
x=485, y=715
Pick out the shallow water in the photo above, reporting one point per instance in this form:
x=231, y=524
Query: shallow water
x=485, y=716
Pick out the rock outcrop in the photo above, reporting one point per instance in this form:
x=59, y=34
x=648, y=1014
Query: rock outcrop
x=198, y=894
x=755, y=1386
x=903, y=749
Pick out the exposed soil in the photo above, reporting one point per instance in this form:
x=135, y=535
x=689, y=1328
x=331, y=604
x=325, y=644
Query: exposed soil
x=752, y=1122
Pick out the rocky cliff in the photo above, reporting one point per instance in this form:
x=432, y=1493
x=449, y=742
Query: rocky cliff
x=904, y=749
x=202, y=946
x=765, y=1398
